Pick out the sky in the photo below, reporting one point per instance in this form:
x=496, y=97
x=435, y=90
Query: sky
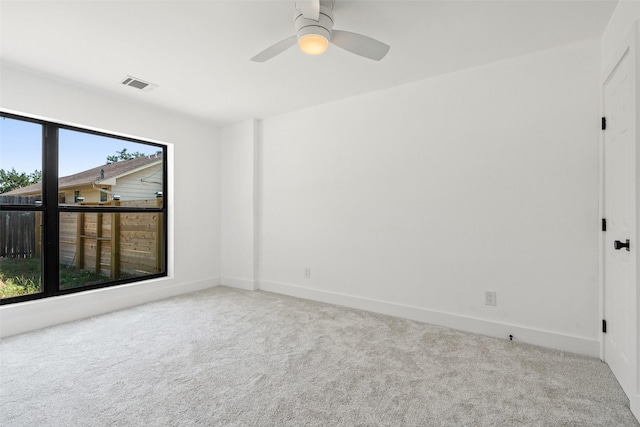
x=21, y=148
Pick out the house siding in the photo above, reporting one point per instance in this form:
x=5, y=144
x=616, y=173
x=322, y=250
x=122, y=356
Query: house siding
x=140, y=185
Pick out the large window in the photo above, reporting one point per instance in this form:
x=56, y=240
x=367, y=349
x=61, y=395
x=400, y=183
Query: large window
x=78, y=209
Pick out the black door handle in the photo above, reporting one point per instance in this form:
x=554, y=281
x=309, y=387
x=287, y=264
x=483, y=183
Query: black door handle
x=619, y=245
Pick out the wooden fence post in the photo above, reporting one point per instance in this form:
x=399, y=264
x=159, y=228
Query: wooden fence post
x=38, y=232
x=115, y=243
x=79, y=240
x=159, y=222
x=98, y=241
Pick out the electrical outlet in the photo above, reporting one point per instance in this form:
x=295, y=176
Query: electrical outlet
x=307, y=273
x=489, y=298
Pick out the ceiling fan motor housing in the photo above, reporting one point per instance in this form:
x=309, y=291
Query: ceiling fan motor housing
x=322, y=27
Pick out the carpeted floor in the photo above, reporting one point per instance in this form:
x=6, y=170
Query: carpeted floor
x=229, y=357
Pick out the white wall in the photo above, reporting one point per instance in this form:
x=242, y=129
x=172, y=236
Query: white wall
x=415, y=200
x=193, y=199
x=625, y=14
x=238, y=213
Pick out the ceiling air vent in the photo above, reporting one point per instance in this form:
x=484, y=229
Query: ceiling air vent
x=138, y=84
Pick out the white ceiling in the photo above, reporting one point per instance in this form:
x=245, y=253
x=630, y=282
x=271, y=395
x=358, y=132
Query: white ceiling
x=197, y=52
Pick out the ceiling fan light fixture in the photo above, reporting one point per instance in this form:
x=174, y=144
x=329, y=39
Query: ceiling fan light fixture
x=313, y=21
x=313, y=44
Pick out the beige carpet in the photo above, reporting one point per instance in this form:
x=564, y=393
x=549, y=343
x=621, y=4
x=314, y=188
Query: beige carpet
x=229, y=357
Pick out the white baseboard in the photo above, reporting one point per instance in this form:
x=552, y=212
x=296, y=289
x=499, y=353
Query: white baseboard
x=464, y=323
x=37, y=314
x=239, y=283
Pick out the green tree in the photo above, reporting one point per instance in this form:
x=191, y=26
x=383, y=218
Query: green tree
x=11, y=179
x=123, y=155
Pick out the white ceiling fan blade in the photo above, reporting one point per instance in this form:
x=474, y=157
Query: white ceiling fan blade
x=359, y=44
x=276, y=49
x=310, y=8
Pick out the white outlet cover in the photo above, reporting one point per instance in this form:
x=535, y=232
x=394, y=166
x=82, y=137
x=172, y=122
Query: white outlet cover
x=490, y=298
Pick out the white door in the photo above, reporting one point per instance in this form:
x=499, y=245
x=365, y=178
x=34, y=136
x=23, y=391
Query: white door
x=619, y=211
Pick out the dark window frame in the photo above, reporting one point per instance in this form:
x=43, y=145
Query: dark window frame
x=51, y=210
x=104, y=197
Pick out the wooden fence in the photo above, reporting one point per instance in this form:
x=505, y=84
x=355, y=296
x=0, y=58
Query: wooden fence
x=19, y=231
x=106, y=242
x=19, y=236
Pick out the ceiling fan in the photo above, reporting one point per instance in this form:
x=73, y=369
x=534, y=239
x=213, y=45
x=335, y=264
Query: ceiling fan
x=313, y=20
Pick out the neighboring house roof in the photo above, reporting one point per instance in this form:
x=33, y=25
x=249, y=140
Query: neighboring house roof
x=105, y=174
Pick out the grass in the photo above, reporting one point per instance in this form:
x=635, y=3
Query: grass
x=21, y=276
x=70, y=277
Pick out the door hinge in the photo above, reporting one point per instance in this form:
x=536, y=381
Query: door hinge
x=604, y=224
x=604, y=326
x=604, y=123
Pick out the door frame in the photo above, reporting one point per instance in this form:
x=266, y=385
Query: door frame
x=630, y=46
